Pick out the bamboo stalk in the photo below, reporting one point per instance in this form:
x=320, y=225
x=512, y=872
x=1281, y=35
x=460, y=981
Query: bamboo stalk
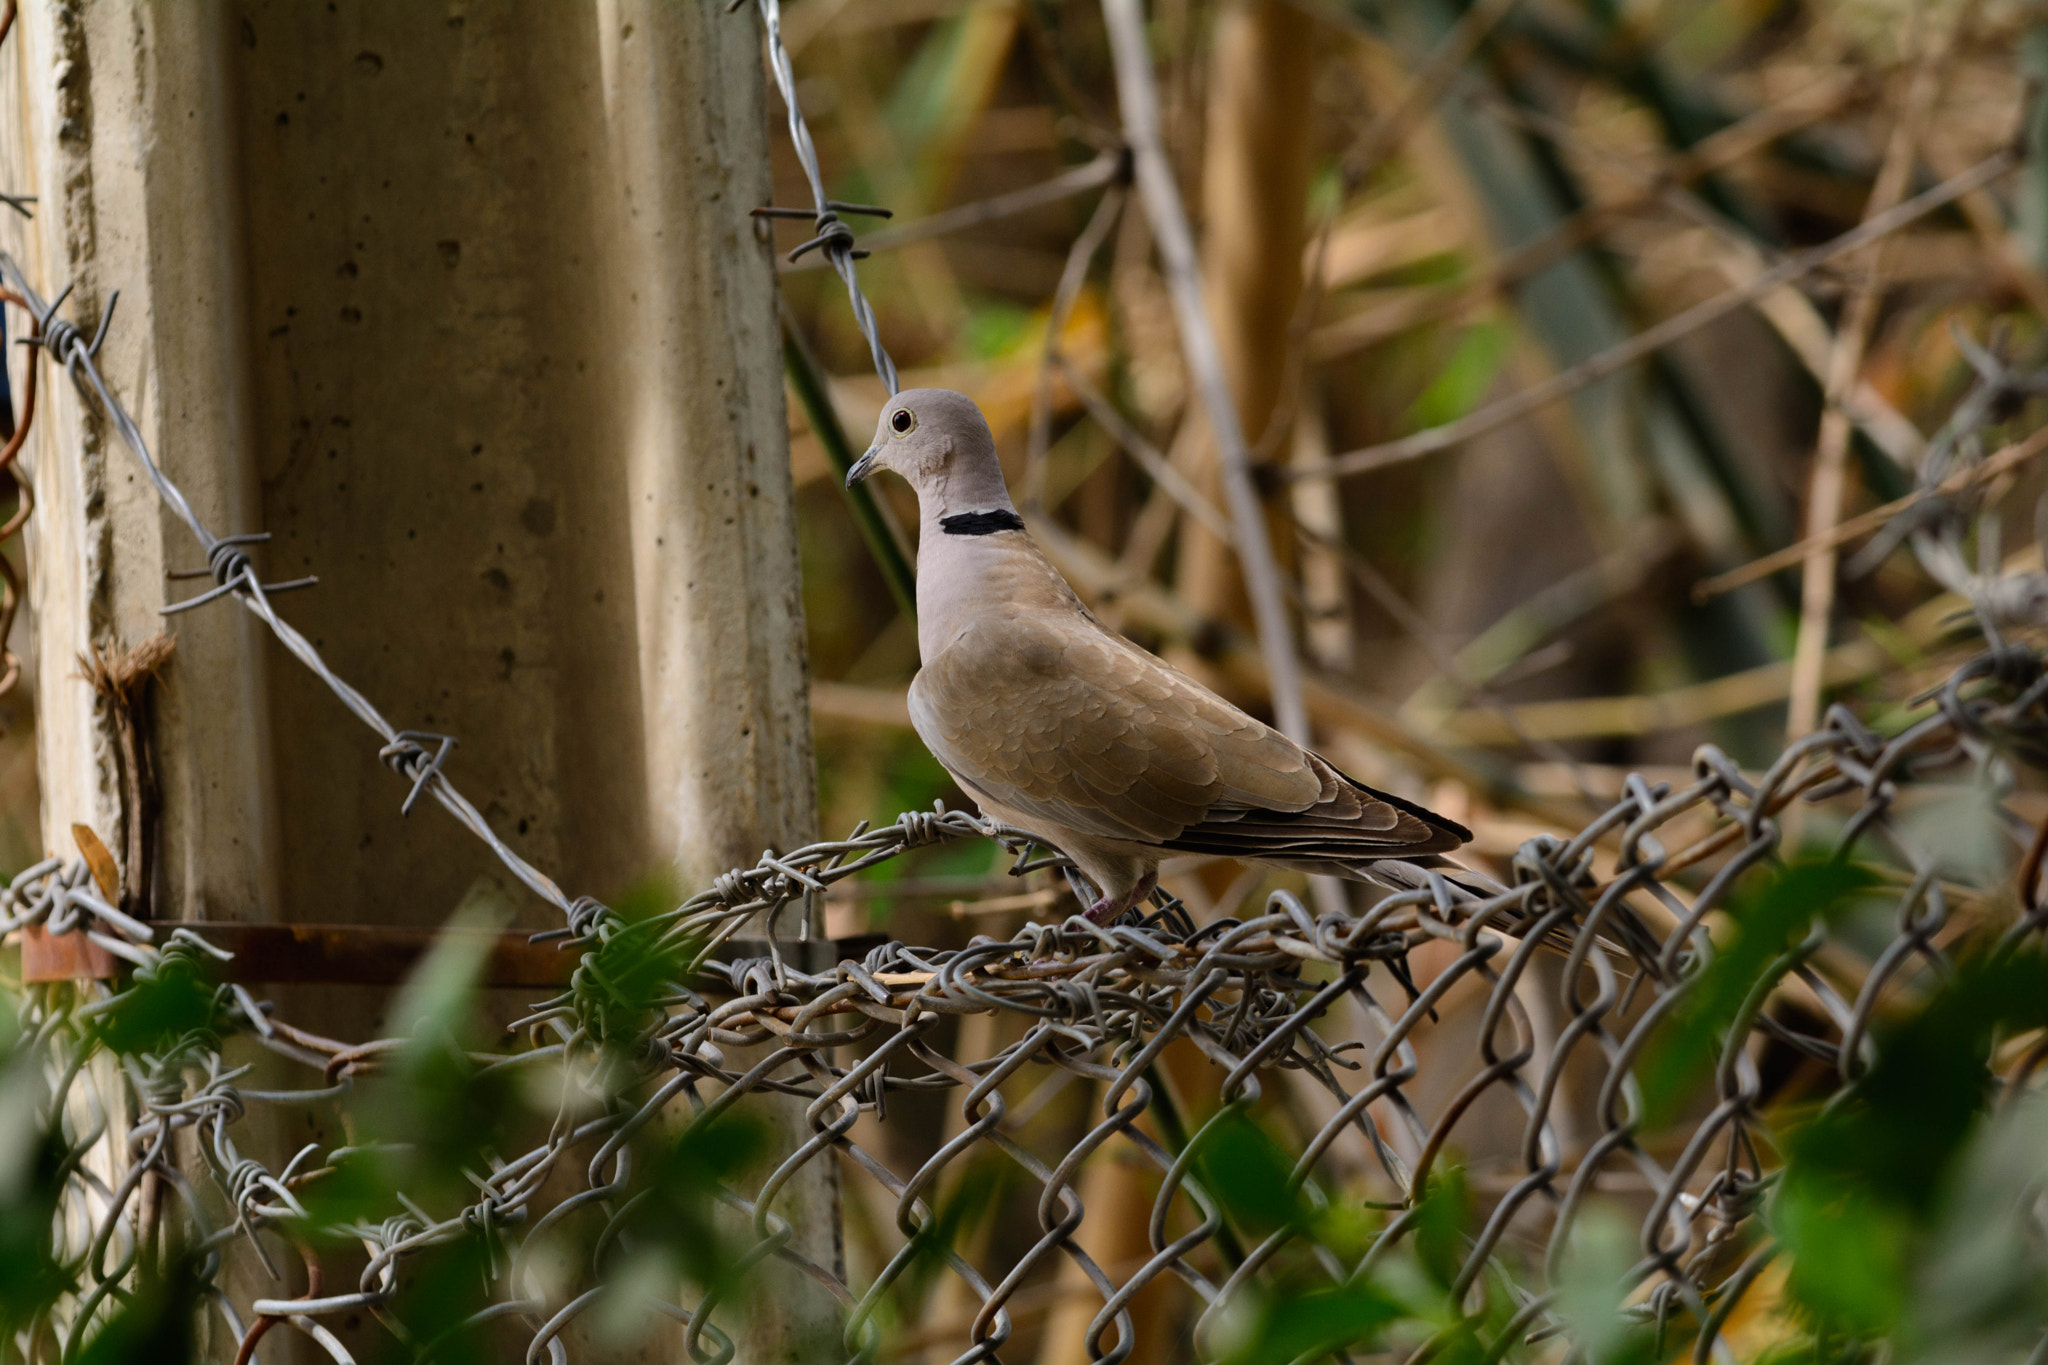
x=1831, y=456
x=1652, y=339
x=1139, y=101
x=2010, y=458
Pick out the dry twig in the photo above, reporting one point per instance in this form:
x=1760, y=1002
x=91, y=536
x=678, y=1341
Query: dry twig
x=2004, y=461
x=122, y=678
x=1139, y=100
x=1797, y=266
x=1831, y=456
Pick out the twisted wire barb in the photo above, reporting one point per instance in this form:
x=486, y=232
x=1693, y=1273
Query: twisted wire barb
x=834, y=239
x=1333, y=1017
x=234, y=575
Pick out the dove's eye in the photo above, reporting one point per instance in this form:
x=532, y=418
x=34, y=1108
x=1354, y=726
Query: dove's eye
x=902, y=422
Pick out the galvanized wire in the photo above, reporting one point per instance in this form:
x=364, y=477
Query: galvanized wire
x=834, y=238
x=406, y=752
x=1334, y=1018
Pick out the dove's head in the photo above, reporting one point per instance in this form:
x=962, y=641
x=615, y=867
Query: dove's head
x=939, y=441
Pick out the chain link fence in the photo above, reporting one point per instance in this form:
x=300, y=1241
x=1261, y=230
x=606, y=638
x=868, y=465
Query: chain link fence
x=1195, y=1054
x=1311, y=1027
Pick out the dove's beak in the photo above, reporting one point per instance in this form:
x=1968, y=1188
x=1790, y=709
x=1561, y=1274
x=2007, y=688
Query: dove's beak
x=862, y=467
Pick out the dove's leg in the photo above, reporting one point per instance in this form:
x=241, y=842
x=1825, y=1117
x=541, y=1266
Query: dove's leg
x=1108, y=881
x=1106, y=910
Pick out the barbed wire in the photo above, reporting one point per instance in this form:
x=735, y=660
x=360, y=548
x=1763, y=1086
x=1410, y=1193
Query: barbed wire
x=1327, y=1015
x=834, y=239
x=234, y=575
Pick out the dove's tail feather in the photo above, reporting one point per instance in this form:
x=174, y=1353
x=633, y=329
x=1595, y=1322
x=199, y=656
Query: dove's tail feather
x=1412, y=874
x=1351, y=826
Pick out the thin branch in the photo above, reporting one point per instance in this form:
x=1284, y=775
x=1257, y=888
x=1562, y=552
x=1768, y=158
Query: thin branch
x=1160, y=469
x=1843, y=532
x=1507, y=643
x=1375, y=583
x=1139, y=100
x=1732, y=144
x=1072, y=276
x=1742, y=258
x=1441, y=67
x=1579, y=718
x=1637, y=714
x=1829, y=480
x=1103, y=170
x=1653, y=339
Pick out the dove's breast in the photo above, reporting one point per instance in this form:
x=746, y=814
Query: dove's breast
x=1053, y=718
x=965, y=581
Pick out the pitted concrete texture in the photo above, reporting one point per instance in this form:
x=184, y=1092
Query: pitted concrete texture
x=463, y=305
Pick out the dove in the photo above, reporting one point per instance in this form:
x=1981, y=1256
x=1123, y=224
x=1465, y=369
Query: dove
x=1062, y=728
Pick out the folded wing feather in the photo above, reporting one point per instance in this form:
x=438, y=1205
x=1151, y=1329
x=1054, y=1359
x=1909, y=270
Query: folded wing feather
x=1086, y=731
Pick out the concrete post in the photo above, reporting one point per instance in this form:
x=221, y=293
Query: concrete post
x=462, y=304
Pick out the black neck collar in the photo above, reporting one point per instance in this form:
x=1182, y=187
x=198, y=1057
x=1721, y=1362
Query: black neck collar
x=981, y=523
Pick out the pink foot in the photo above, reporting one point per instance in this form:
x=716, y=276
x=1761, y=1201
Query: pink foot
x=1106, y=911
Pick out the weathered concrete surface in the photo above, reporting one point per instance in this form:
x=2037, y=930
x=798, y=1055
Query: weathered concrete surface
x=462, y=304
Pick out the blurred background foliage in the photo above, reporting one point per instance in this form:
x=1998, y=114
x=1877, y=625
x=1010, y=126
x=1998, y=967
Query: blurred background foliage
x=1409, y=210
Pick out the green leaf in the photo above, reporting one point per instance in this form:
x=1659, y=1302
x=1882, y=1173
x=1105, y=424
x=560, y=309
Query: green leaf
x=165, y=1009
x=1440, y=1224
x=31, y=1279
x=1593, y=1286
x=1465, y=379
x=1981, y=1280
x=437, y=1000
x=1771, y=909
x=1849, y=1254
x=1309, y=1326
x=977, y=1196
x=674, y=1187
x=1249, y=1174
x=153, y=1325
x=1906, y=1120
x=442, y=1287
x=434, y=1118
x=1865, y=1181
x=355, y=1188
x=620, y=985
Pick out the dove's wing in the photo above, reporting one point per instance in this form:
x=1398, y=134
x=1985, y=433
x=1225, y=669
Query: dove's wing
x=1076, y=727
